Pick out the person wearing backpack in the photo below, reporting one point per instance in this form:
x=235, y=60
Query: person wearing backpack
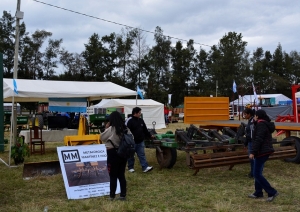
x=116, y=165
x=262, y=148
x=139, y=130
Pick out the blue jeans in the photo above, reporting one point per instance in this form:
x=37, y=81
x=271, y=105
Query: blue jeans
x=251, y=161
x=140, y=151
x=260, y=181
x=166, y=119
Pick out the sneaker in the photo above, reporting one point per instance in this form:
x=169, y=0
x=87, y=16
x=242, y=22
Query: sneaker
x=270, y=199
x=148, y=169
x=131, y=170
x=122, y=198
x=253, y=196
x=111, y=199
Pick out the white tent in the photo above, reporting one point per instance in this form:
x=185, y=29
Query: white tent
x=151, y=110
x=41, y=90
x=297, y=95
x=249, y=99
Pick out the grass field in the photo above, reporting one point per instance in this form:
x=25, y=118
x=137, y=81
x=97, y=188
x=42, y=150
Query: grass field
x=212, y=189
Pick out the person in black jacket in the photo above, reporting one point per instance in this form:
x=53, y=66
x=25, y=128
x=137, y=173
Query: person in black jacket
x=139, y=131
x=262, y=148
x=249, y=114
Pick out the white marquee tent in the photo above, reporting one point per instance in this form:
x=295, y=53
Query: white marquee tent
x=249, y=99
x=297, y=95
x=24, y=90
x=41, y=90
x=151, y=110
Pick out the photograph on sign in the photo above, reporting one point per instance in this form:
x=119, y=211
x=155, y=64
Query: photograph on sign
x=84, y=173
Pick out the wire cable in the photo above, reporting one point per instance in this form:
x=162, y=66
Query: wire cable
x=113, y=22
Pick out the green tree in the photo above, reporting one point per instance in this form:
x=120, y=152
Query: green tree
x=183, y=63
x=124, y=52
x=51, y=58
x=7, y=41
x=158, y=69
x=202, y=75
x=32, y=59
x=110, y=55
x=94, y=57
x=229, y=62
x=140, y=50
x=74, y=66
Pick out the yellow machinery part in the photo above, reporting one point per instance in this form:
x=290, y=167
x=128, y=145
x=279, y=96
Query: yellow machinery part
x=81, y=138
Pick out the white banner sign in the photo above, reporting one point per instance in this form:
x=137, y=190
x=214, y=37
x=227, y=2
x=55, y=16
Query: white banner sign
x=84, y=170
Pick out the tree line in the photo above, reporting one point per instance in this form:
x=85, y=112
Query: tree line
x=125, y=58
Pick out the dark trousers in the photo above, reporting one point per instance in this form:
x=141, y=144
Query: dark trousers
x=116, y=169
x=251, y=161
x=261, y=182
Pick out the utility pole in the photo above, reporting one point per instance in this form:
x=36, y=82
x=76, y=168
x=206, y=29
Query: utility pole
x=19, y=15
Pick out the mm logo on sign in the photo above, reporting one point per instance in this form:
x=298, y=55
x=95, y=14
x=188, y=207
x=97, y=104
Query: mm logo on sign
x=70, y=156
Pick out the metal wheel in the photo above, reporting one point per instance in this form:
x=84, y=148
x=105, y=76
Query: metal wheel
x=296, y=159
x=168, y=157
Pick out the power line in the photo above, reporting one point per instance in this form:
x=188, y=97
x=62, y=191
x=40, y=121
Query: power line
x=114, y=22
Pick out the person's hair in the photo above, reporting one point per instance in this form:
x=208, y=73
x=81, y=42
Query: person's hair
x=261, y=114
x=116, y=121
x=136, y=110
x=249, y=111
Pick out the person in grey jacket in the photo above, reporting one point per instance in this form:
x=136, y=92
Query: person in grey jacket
x=115, y=164
x=262, y=148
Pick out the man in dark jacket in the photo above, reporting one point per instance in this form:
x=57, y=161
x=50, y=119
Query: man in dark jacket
x=262, y=148
x=139, y=130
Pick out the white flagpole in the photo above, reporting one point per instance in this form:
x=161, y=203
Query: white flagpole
x=11, y=127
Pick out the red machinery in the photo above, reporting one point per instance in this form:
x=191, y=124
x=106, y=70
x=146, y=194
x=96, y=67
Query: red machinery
x=290, y=118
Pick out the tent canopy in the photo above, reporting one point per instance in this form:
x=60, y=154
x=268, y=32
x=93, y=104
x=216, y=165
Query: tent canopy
x=151, y=110
x=249, y=99
x=297, y=94
x=41, y=90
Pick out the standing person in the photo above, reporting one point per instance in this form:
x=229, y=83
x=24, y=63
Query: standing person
x=139, y=130
x=166, y=113
x=249, y=115
x=262, y=148
x=115, y=164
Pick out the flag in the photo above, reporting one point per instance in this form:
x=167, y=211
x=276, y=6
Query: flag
x=255, y=96
x=234, y=87
x=169, y=98
x=68, y=104
x=139, y=92
x=15, y=86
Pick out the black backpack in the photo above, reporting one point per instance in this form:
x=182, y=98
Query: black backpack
x=126, y=148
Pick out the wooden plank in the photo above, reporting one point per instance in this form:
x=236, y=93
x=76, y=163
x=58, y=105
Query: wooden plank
x=229, y=158
x=199, y=164
x=289, y=126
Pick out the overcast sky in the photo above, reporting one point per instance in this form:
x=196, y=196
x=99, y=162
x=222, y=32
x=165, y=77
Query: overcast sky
x=263, y=23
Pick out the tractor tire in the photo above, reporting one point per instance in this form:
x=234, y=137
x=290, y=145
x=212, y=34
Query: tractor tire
x=296, y=159
x=169, y=157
